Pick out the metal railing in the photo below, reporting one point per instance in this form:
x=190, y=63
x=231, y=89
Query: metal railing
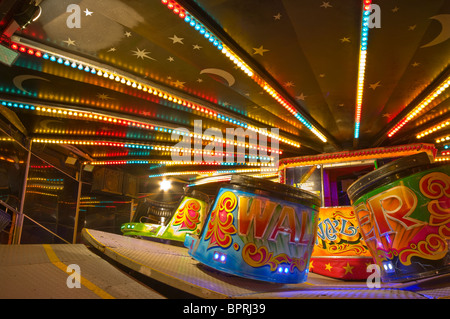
x=17, y=217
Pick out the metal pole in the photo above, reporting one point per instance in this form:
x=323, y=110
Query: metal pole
x=19, y=220
x=77, y=209
x=322, y=189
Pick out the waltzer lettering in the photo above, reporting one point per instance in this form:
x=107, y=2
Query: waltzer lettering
x=254, y=215
x=260, y=212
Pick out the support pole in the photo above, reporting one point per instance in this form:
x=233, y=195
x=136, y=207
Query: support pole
x=19, y=220
x=77, y=209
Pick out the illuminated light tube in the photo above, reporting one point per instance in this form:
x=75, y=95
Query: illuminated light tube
x=128, y=81
x=362, y=65
x=357, y=155
x=420, y=107
x=170, y=163
x=433, y=129
x=443, y=139
x=103, y=117
x=226, y=51
x=217, y=172
x=142, y=147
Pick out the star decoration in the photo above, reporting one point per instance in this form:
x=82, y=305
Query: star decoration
x=415, y=64
x=128, y=34
x=387, y=115
x=103, y=96
x=196, y=47
x=412, y=27
x=69, y=42
x=170, y=59
x=345, y=39
x=328, y=266
x=178, y=83
x=348, y=269
x=326, y=5
x=301, y=97
x=277, y=17
x=176, y=39
x=112, y=50
x=142, y=54
x=88, y=13
x=260, y=50
x=395, y=9
x=289, y=84
x=199, y=80
x=374, y=85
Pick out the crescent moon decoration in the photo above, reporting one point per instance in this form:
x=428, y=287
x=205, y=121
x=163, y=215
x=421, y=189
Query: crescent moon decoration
x=223, y=74
x=50, y=124
x=444, y=20
x=18, y=81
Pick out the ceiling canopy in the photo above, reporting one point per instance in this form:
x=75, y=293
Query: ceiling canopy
x=125, y=83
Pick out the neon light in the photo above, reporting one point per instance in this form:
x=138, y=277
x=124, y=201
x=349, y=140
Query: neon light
x=443, y=139
x=123, y=79
x=433, y=129
x=362, y=65
x=216, y=172
x=172, y=163
x=371, y=153
x=420, y=107
x=197, y=25
x=102, y=117
x=146, y=147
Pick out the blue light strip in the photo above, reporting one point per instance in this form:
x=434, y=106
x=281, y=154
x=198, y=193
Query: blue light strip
x=362, y=64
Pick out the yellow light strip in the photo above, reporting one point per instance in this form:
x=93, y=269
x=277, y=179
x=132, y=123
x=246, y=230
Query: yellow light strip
x=106, y=118
x=419, y=108
x=218, y=172
x=433, y=129
x=443, y=139
x=129, y=80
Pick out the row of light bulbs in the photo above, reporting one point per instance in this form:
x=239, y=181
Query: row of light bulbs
x=97, y=116
x=433, y=129
x=175, y=163
x=114, y=76
x=145, y=146
x=202, y=29
x=420, y=107
x=217, y=172
x=362, y=65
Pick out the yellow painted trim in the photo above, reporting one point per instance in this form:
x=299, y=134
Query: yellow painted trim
x=88, y=284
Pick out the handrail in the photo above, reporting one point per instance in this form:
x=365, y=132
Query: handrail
x=45, y=228
x=9, y=207
x=15, y=211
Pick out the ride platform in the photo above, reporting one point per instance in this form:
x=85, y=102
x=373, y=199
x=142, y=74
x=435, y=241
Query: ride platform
x=172, y=266
x=43, y=272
